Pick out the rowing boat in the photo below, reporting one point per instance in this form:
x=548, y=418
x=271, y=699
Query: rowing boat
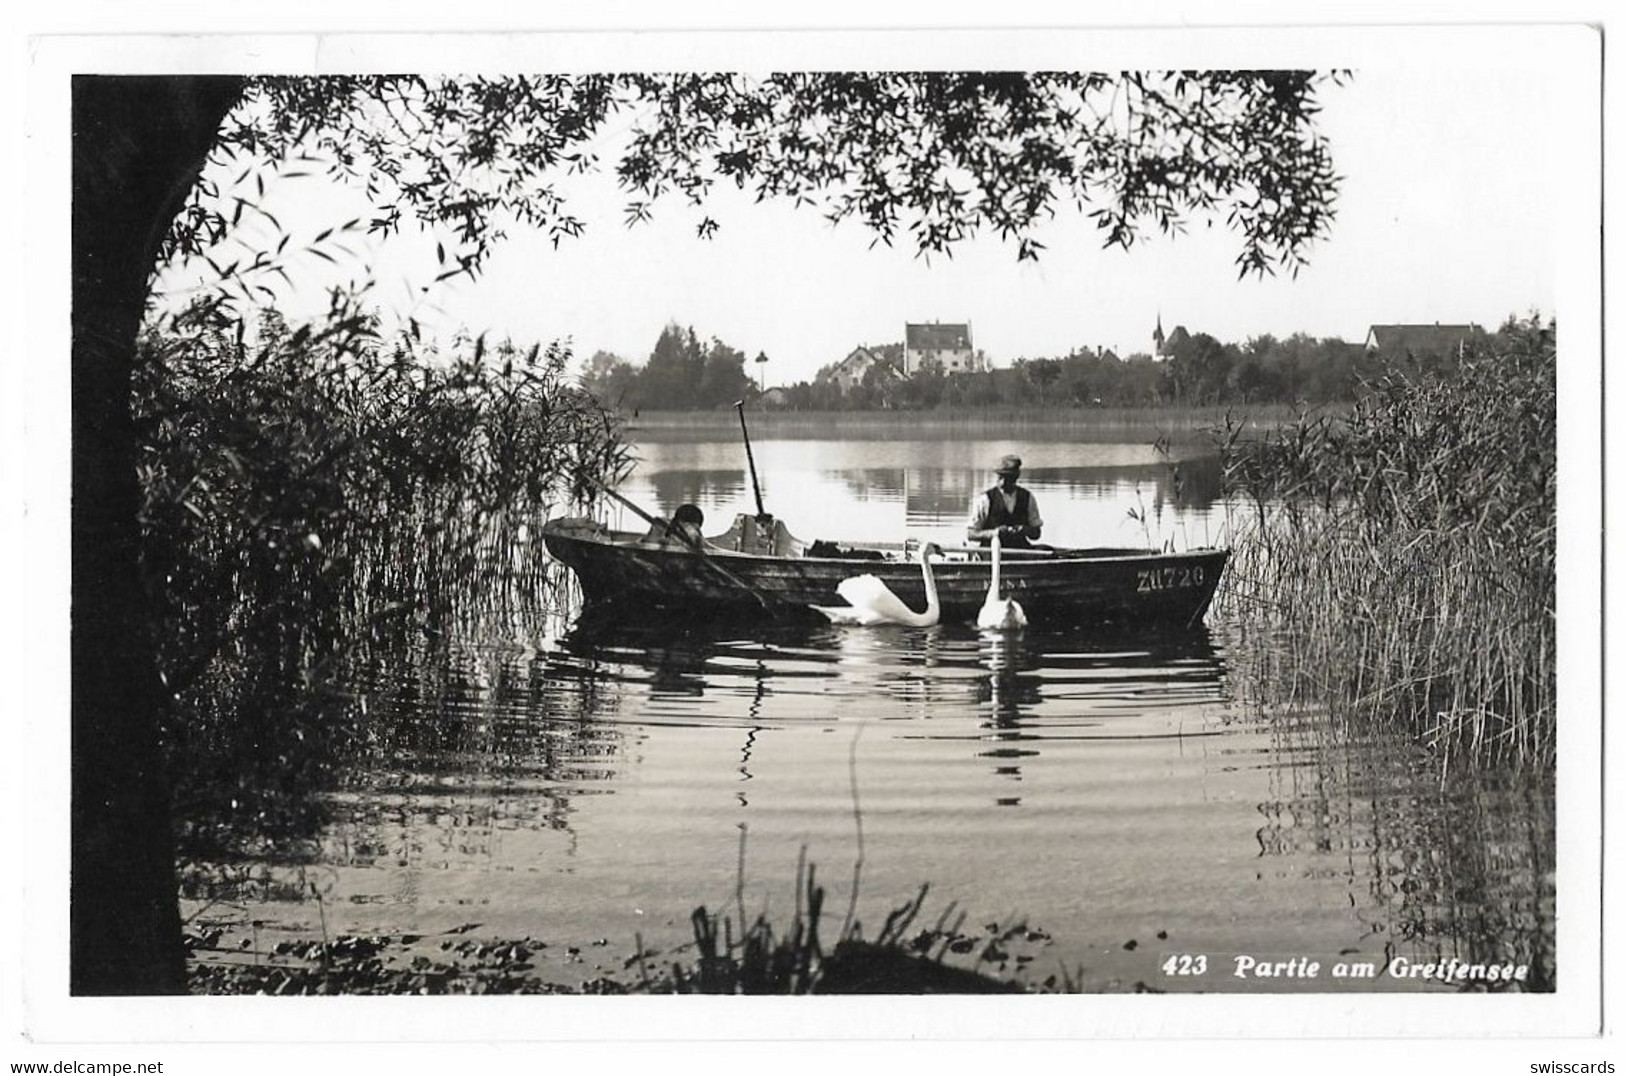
x=758, y=564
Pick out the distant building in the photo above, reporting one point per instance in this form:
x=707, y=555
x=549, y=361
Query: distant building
x=773, y=399
x=948, y=344
x=849, y=373
x=1420, y=341
x=1164, y=346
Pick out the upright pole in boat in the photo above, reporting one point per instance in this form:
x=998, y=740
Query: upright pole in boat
x=761, y=513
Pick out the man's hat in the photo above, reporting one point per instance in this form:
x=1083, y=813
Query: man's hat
x=1008, y=465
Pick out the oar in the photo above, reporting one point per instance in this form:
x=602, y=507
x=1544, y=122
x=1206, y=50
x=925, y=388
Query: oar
x=893, y=547
x=1006, y=551
x=693, y=543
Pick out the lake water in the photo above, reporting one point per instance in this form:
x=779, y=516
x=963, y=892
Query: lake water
x=1117, y=793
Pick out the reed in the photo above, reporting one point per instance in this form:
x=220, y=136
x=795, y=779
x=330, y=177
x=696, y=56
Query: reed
x=898, y=960
x=309, y=491
x=1400, y=558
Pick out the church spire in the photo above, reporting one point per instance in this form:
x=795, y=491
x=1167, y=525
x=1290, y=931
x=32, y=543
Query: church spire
x=1157, y=336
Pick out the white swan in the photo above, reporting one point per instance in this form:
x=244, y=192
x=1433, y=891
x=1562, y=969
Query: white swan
x=999, y=614
x=870, y=601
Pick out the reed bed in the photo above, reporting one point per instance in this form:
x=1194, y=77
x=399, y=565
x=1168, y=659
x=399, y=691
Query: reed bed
x=1400, y=559
x=311, y=490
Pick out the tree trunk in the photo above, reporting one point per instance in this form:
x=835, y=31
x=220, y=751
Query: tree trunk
x=138, y=147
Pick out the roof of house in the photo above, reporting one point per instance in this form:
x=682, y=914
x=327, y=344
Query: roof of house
x=1419, y=339
x=859, y=354
x=939, y=337
x=858, y=364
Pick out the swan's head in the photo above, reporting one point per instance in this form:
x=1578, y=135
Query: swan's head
x=930, y=549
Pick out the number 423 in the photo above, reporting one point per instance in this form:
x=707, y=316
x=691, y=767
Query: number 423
x=1185, y=964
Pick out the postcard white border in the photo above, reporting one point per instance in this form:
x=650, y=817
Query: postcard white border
x=1569, y=53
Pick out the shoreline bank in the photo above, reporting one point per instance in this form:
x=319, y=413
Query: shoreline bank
x=1183, y=423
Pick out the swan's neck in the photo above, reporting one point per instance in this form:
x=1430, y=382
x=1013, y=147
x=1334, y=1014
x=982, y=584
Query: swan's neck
x=932, y=607
x=993, y=589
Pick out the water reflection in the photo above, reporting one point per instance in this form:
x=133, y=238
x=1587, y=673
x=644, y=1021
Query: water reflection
x=1091, y=494
x=1105, y=786
x=1460, y=867
x=1007, y=693
x=672, y=488
x=1006, y=696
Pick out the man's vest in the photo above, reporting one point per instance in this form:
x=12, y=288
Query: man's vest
x=999, y=516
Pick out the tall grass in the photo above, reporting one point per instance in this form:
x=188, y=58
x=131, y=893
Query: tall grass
x=308, y=490
x=899, y=960
x=1402, y=556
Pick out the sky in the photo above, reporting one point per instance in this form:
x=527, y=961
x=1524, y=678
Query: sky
x=1451, y=174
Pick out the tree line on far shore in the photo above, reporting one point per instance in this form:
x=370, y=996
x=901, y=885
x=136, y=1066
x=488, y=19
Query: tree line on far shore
x=684, y=373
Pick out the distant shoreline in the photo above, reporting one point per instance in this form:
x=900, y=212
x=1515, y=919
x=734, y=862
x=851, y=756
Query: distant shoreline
x=1186, y=422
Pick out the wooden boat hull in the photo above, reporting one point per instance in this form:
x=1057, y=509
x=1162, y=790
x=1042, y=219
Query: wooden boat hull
x=1074, y=586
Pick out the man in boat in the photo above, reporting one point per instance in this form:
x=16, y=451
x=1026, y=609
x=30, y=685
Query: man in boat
x=682, y=530
x=1008, y=509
